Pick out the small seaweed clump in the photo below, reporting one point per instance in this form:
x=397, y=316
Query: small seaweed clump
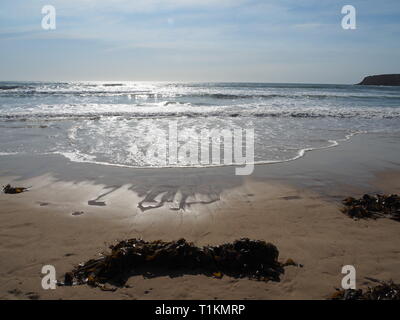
x=242, y=258
x=379, y=206
x=383, y=291
x=13, y=190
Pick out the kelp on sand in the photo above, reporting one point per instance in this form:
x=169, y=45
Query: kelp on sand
x=8, y=189
x=243, y=258
x=373, y=207
x=383, y=291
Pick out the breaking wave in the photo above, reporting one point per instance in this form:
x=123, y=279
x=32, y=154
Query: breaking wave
x=100, y=122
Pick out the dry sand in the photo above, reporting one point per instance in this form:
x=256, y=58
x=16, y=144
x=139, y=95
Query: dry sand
x=38, y=228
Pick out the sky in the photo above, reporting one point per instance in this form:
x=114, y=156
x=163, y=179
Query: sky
x=199, y=40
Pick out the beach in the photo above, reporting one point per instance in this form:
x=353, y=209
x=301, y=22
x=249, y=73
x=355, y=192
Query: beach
x=73, y=211
x=185, y=156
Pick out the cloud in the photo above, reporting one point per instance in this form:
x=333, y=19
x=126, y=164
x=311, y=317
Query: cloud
x=144, y=6
x=177, y=36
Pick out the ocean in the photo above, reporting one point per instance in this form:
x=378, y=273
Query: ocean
x=117, y=123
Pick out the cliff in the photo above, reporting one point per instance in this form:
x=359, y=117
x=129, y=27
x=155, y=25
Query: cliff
x=382, y=80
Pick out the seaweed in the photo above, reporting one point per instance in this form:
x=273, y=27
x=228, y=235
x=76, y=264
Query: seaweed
x=252, y=259
x=373, y=207
x=13, y=190
x=383, y=291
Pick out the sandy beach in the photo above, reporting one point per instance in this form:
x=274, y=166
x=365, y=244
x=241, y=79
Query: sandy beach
x=73, y=211
x=175, y=155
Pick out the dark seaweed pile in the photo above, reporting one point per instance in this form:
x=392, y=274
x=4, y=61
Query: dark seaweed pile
x=13, y=190
x=383, y=291
x=242, y=258
x=379, y=206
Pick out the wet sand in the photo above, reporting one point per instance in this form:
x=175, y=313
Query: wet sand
x=73, y=211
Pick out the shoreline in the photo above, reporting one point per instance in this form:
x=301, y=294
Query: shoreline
x=294, y=205
x=359, y=158
x=300, y=154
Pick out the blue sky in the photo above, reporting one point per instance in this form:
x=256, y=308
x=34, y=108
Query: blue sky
x=199, y=40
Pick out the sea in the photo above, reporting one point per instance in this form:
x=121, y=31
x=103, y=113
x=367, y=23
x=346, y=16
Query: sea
x=121, y=123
